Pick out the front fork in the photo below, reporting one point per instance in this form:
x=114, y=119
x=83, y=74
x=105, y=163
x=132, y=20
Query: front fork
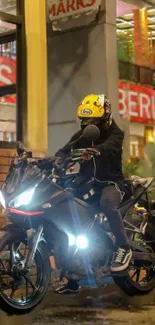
x=33, y=249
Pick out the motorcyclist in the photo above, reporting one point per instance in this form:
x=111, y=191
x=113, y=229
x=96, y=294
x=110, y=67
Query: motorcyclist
x=96, y=109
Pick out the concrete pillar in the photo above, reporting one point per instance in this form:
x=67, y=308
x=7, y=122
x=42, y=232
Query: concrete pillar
x=81, y=62
x=35, y=21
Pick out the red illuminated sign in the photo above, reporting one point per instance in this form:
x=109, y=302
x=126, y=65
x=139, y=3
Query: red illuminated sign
x=7, y=77
x=136, y=103
x=61, y=7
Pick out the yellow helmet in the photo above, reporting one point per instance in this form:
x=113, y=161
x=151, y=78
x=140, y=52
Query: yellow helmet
x=94, y=109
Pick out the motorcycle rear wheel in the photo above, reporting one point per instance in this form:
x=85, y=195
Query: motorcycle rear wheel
x=139, y=279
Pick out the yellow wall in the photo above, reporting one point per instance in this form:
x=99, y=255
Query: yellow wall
x=35, y=20
x=141, y=42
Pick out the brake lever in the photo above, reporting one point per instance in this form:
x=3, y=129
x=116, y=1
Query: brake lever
x=92, y=151
x=77, y=158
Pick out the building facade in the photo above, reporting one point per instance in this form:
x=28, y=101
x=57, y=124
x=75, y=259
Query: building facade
x=81, y=60
x=90, y=46
x=136, y=54
x=114, y=55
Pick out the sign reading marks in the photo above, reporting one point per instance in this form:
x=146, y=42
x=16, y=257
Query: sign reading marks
x=61, y=8
x=67, y=14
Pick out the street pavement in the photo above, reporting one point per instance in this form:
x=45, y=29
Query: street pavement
x=106, y=306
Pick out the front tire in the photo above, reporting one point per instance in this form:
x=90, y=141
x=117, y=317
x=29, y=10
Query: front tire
x=34, y=291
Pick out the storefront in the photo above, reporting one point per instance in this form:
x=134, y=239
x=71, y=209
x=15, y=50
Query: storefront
x=12, y=81
x=8, y=102
x=23, y=94
x=136, y=54
x=136, y=34
x=137, y=105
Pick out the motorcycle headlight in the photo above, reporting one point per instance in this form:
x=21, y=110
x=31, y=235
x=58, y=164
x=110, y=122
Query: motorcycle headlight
x=23, y=199
x=2, y=200
x=81, y=241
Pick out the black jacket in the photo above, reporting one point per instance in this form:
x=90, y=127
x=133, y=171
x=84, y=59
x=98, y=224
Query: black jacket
x=109, y=163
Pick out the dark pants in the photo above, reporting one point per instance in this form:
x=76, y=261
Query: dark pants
x=109, y=201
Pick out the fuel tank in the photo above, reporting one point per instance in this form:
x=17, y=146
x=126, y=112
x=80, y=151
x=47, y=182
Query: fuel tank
x=68, y=212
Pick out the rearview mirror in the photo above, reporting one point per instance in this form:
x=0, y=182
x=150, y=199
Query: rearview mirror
x=91, y=132
x=20, y=149
x=29, y=154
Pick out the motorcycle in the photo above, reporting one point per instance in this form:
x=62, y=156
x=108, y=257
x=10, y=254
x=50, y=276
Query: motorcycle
x=51, y=220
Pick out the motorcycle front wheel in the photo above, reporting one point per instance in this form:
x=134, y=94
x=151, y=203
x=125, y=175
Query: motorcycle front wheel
x=20, y=292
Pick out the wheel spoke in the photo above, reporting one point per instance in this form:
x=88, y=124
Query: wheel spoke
x=27, y=288
x=133, y=274
x=3, y=265
x=5, y=272
x=25, y=250
x=30, y=282
x=138, y=275
x=5, y=286
x=12, y=292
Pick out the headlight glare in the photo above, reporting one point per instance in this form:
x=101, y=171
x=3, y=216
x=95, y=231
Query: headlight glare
x=82, y=242
x=24, y=198
x=2, y=200
x=71, y=239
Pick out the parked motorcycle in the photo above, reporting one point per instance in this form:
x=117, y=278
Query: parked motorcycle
x=50, y=217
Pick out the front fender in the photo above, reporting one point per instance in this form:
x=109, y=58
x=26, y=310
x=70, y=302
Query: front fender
x=8, y=233
x=13, y=230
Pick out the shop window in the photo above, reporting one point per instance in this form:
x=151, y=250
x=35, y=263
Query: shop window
x=136, y=65
x=149, y=134
x=134, y=149
x=137, y=146
x=12, y=72
x=8, y=78
x=8, y=50
x=8, y=6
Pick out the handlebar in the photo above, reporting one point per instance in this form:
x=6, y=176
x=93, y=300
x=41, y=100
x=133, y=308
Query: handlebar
x=79, y=154
x=61, y=164
x=57, y=163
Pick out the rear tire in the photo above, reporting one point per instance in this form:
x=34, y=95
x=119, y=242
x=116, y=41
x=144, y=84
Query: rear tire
x=124, y=283
x=141, y=286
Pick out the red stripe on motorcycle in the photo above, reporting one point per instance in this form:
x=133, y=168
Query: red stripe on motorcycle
x=25, y=213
